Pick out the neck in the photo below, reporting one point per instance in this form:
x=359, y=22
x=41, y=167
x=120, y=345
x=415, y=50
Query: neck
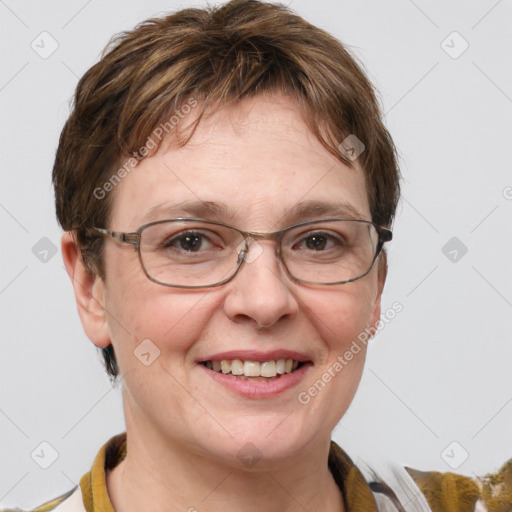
x=168, y=478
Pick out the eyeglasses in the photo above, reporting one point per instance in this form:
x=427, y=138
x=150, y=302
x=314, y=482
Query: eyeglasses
x=198, y=253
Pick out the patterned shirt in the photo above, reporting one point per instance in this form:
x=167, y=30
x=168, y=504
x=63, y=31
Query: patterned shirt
x=427, y=491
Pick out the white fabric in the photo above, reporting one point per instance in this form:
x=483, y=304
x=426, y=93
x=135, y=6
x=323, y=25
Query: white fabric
x=408, y=493
x=384, y=504
x=73, y=503
x=372, y=462
x=480, y=506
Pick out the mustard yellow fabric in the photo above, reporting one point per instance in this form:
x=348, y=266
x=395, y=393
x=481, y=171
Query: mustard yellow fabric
x=445, y=492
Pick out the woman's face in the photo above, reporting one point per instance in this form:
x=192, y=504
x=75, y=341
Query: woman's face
x=259, y=160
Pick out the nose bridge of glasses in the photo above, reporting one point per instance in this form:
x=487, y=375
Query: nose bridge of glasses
x=256, y=235
x=251, y=241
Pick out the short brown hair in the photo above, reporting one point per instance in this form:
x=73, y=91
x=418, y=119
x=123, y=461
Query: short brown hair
x=215, y=55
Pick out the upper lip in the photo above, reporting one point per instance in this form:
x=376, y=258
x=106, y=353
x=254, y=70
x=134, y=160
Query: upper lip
x=257, y=355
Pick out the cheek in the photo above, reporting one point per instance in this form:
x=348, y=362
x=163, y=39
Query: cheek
x=171, y=322
x=341, y=315
x=340, y=318
x=140, y=310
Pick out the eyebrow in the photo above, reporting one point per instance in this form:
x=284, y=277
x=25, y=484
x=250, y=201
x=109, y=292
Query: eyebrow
x=212, y=210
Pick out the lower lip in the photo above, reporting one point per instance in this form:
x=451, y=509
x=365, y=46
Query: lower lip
x=259, y=389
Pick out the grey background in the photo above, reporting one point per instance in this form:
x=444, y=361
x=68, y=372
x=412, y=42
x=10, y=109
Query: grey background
x=438, y=373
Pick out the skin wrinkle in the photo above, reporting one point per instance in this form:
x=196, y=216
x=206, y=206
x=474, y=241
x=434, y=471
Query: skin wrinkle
x=179, y=422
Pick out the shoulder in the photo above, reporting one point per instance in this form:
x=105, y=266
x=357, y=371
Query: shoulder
x=446, y=491
x=453, y=492
x=400, y=488
x=70, y=501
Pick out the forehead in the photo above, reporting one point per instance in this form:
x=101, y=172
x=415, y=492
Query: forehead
x=251, y=163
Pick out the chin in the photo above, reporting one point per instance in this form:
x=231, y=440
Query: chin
x=265, y=443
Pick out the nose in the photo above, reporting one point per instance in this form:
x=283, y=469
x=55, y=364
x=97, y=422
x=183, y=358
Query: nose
x=260, y=293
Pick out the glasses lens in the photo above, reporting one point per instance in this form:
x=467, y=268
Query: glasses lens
x=190, y=253
x=330, y=251
x=198, y=253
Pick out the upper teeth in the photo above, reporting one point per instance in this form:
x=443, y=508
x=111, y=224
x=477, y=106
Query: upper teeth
x=254, y=368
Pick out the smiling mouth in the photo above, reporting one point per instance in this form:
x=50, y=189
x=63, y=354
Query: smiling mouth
x=254, y=370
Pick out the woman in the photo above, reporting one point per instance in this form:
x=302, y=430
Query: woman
x=227, y=187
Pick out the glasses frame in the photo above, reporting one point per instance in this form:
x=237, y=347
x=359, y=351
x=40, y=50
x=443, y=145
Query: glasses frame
x=134, y=237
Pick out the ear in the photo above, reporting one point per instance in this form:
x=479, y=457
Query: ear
x=382, y=271
x=89, y=292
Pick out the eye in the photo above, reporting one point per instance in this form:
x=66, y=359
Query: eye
x=319, y=241
x=189, y=241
